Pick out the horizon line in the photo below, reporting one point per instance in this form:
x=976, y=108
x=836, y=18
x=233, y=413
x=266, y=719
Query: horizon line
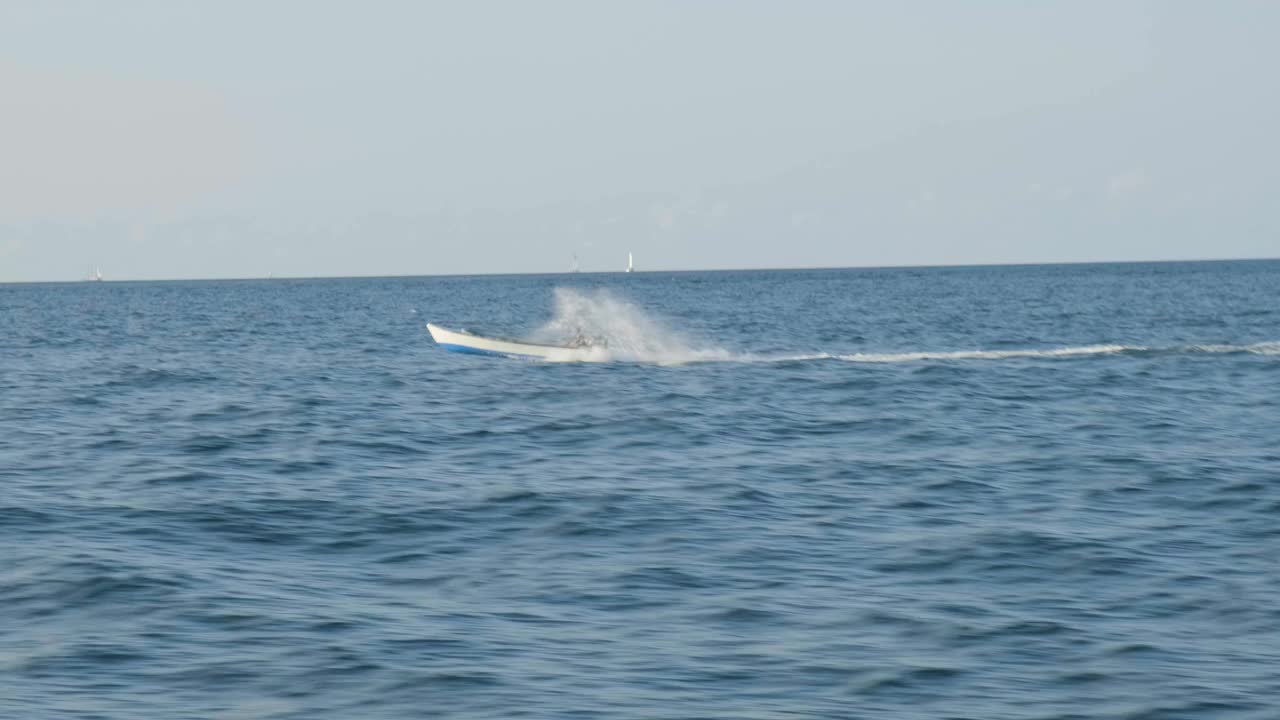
x=922, y=266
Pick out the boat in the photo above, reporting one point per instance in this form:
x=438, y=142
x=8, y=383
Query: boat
x=464, y=342
x=95, y=276
x=630, y=265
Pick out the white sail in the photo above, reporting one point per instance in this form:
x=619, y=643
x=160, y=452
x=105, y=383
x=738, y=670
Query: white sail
x=630, y=265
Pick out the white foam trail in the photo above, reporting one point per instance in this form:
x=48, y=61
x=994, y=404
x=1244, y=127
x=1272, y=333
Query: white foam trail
x=1262, y=348
x=618, y=331
x=989, y=354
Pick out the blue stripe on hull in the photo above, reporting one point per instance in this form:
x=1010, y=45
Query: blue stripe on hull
x=468, y=350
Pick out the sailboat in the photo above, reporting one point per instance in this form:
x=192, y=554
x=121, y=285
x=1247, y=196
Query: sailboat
x=574, y=267
x=630, y=265
x=95, y=276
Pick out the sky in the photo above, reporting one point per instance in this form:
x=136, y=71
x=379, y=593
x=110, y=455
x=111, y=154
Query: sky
x=170, y=139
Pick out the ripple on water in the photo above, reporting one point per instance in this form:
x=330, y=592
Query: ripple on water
x=1037, y=492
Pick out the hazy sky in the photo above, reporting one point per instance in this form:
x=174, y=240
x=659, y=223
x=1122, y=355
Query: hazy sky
x=237, y=139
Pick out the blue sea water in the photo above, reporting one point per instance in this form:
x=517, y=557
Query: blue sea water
x=984, y=492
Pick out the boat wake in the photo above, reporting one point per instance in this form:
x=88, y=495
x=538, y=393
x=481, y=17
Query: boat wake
x=609, y=329
x=1262, y=348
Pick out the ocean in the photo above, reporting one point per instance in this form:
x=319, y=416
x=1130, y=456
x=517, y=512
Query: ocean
x=1024, y=492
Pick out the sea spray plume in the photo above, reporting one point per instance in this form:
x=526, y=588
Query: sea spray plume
x=614, y=329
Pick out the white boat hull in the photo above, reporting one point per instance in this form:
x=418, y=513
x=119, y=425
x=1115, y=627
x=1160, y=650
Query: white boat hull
x=461, y=342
